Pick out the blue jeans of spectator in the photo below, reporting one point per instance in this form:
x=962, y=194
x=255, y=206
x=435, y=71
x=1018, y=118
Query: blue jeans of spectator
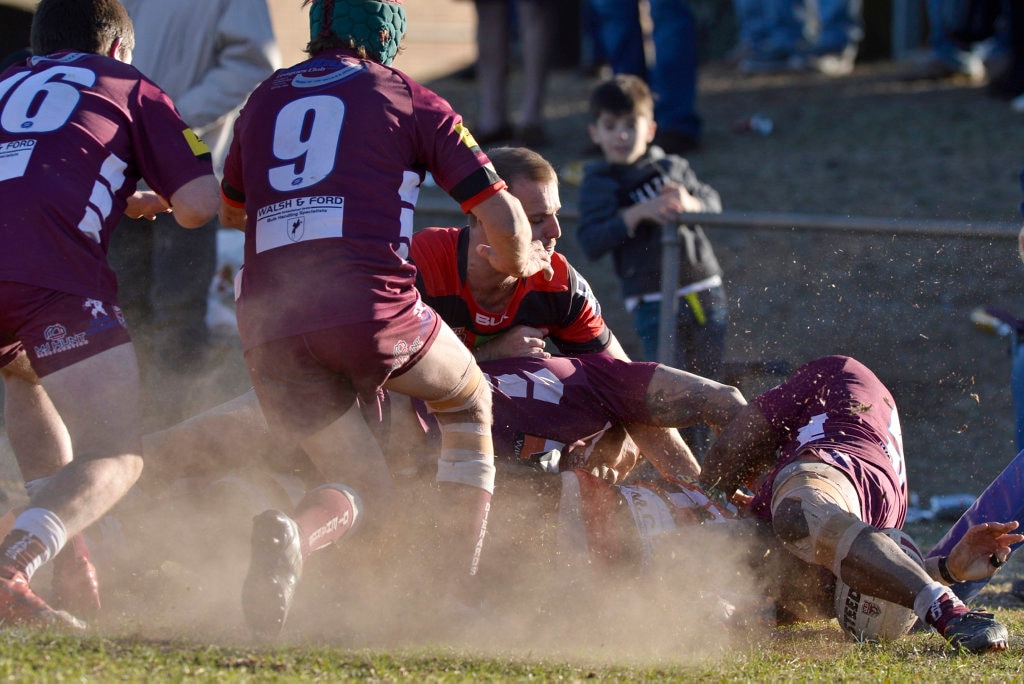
x=699, y=347
x=943, y=16
x=785, y=23
x=673, y=76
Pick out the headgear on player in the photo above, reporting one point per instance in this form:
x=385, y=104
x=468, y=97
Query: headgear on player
x=867, y=618
x=376, y=26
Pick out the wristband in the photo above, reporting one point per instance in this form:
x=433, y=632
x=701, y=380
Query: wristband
x=944, y=571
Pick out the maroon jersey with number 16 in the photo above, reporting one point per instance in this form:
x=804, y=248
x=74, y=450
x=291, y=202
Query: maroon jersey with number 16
x=77, y=132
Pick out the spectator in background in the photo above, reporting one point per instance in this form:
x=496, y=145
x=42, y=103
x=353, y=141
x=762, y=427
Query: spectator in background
x=494, y=38
x=673, y=74
x=625, y=199
x=946, y=57
x=798, y=36
x=208, y=57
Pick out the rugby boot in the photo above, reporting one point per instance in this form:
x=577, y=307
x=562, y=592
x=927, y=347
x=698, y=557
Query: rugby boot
x=19, y=605
x=274, y=571
x=76, y=587
x=976, y=631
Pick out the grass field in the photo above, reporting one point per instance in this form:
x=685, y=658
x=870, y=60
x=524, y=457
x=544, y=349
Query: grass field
x=812, y=652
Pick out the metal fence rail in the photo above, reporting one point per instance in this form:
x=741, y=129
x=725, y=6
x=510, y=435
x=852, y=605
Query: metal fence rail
x=987, y=230
x=786, y=221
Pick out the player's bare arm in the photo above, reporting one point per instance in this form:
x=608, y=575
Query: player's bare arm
x=521, y=340
x=615, y=350
x=510, y=251
x=744, y=449
x=681, y=399
x=146, y=204
x=232, y=216
x=196, y=202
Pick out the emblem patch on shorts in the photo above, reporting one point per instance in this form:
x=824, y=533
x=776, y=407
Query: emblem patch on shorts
x=58, y=340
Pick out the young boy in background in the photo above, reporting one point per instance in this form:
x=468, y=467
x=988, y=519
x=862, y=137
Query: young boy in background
x=626, y=198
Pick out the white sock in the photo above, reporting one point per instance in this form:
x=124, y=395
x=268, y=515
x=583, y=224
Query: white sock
x=45, y=526
x=929, y=597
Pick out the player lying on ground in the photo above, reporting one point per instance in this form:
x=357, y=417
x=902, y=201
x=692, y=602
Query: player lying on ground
x=823, y=454
x=323, y=173
x=81, y=128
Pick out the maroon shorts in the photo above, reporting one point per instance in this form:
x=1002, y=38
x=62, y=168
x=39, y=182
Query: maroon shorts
x=55, y=328
x=305, y=382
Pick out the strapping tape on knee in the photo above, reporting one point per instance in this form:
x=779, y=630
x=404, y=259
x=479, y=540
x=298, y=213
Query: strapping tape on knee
x=478, y=472
x=467, y=455
x=464, y=396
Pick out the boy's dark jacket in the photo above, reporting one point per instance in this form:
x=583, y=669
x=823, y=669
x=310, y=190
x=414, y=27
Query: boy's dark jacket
x=607, y=188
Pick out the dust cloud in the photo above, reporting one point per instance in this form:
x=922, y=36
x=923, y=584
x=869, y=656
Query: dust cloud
x=172, y=557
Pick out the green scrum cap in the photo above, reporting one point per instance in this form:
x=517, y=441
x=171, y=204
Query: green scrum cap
x=376, y=26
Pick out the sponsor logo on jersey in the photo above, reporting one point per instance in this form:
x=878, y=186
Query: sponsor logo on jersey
x=195, y=143
x=58, y=340
x=465, y=137
x=314, y=76
x=487, y=321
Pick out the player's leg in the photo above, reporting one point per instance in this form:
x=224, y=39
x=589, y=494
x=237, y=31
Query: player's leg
x=235, y=431
x=98, y=400
x=816, y=515
x=653, y=399
x=312, y=406
x=455, y=390
x=492, y=67
x=38, y=437
x=41, y=446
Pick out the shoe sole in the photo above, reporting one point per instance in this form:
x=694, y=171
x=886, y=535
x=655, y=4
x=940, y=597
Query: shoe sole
x=274, y=572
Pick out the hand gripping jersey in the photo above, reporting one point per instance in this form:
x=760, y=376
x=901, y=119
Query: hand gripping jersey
x=77, y=132
x=327, y=159
x=838, y=407
x=566, y=305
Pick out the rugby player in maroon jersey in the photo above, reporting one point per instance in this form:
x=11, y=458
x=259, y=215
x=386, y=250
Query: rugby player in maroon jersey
x=80, y=128
x=323, y=175
x=823, y=455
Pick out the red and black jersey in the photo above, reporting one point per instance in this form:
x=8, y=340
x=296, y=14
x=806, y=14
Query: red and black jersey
x=565, y=305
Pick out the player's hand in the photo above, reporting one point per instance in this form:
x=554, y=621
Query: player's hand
x=520, y=340
x=146, y=204
x=536, y=260
x=982, y=549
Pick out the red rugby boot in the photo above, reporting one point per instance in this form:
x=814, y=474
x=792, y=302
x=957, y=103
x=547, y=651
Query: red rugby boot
x=19, y=605
x=76, y=587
